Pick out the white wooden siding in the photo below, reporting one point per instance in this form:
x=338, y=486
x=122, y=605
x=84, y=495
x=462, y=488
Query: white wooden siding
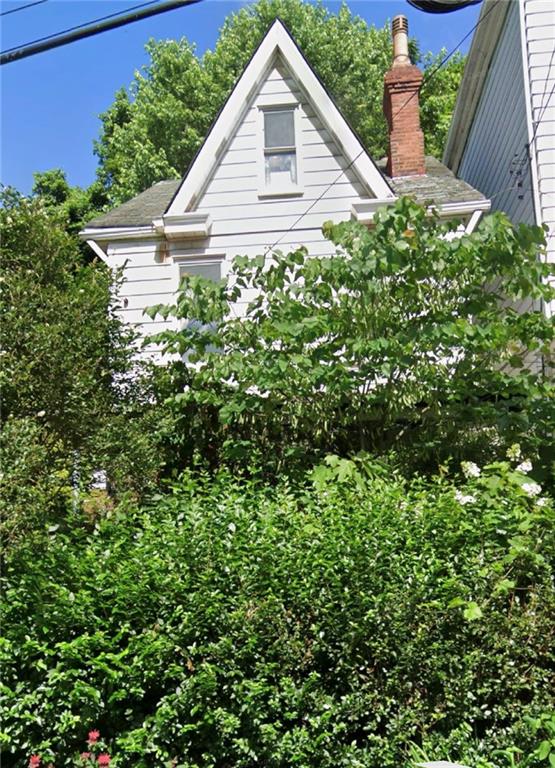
x=242, y=222
x=505, y=134
x=538, y=19
x=499, y=132
x=146, y=281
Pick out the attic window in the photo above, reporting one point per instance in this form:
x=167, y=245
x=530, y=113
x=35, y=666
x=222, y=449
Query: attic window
x=280, y=171
x=280, y=153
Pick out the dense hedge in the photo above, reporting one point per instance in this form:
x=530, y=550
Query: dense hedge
x=331, y=624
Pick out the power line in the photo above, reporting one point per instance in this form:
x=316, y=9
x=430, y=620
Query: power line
x=89, y=29
x=431, y=73
x=78, y=26
x=510, y=188
x=23, y=7
x=544, y=106
x=426, y=80
x=546, y=82
x=523, y=158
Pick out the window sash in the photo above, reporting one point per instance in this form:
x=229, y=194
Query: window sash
x=279, y=133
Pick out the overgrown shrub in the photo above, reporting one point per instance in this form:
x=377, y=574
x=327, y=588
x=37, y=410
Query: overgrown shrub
x=73, y=398
x=404, y=341
x=35, y=481
x=335, y=623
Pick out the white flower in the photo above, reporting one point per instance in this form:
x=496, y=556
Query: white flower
x=541, y=502
x=470, y=469
x=525, y=466
x=40, y=414
x=531, y=489
x=464, y=498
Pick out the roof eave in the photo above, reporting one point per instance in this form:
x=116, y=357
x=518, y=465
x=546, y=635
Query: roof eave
x=104, y=234
x=364, y=212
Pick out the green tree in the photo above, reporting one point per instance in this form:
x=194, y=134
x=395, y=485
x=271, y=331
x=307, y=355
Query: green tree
x=153, y=131
x=74, y=206
x=437, y=102
x=391, y=344
x=71, y=396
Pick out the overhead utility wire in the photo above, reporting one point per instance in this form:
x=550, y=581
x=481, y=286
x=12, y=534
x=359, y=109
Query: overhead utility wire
x=79, y=26
x=113, y=21
x=23, y=7
x=429, y=75
x=523, y=158
x=426, y=79
x=544, y=106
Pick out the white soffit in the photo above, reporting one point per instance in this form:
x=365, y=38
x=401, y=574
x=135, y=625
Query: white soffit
x=277, y=41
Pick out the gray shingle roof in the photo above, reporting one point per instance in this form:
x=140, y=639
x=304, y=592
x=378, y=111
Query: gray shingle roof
x=140, y=210
x=438, y=185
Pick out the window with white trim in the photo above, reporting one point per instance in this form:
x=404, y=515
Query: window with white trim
x=208, y=268
x=211, y=270
x=280, y=149
x=279, y=160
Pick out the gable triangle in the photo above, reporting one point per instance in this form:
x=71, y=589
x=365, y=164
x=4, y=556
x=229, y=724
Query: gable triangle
x=277, y=71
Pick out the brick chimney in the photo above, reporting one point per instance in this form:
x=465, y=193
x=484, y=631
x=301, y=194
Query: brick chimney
x=401, y=107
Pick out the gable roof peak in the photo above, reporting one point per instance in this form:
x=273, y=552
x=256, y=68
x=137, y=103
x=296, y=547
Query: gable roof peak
x=277, y=38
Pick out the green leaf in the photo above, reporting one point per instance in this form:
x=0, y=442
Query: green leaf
x=504, y=586
x=544, y=750
x=472, y=612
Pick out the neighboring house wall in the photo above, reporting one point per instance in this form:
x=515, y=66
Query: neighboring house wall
x=538, y=27
x=505, y=144
x=495, y=148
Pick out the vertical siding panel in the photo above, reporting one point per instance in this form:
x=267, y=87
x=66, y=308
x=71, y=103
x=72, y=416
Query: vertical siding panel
x=495, y=159
x=496, y=154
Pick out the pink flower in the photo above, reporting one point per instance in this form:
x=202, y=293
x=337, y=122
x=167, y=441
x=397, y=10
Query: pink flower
x=34, y=762
x=85, y=755
x=104, y=760
x=93, y=737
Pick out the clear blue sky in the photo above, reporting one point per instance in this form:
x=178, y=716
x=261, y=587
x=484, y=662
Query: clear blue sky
x=51, y=101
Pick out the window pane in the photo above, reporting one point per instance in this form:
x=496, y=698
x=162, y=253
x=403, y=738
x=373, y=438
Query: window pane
x=209, y=271
x=281, y=168
x=279, y=129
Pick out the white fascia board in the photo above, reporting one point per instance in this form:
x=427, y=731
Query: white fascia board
x=462, y=209
x=183, y=226
x=277, y=41
x=364, y=211
x=104, y=234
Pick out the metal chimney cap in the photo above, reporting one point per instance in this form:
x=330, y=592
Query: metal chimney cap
x=400, y=24
x=400, y=34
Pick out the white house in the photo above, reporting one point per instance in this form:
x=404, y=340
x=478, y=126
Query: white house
x=278, y=162
x=502, y=138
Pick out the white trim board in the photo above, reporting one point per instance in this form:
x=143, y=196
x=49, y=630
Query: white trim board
x=277, y=43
